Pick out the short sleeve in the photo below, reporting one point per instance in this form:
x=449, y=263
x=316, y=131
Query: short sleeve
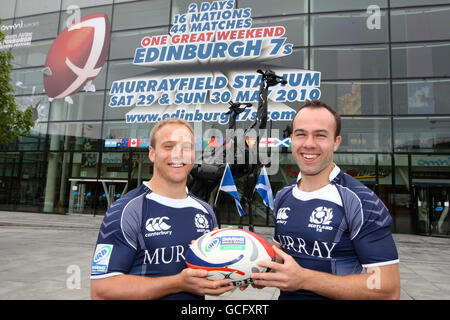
x=117, y=242
x=374, y=243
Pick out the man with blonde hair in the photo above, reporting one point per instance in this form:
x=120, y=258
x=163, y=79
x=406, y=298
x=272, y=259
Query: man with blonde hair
x=144, y=237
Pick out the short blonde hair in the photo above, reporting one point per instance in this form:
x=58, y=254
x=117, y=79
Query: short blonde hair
x=164, y=122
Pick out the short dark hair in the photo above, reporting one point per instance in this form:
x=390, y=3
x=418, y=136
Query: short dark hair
x=320, y=104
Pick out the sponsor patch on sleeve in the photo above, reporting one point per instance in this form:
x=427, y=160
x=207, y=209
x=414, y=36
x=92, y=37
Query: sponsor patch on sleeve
x=101, y=258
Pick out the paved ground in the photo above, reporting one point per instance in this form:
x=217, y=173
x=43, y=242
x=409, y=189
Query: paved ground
x=42, y=255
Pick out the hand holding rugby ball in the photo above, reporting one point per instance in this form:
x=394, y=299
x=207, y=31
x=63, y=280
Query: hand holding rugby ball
x=230, y=254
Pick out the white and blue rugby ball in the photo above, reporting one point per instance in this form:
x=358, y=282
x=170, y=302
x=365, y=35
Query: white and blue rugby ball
x=229, y=254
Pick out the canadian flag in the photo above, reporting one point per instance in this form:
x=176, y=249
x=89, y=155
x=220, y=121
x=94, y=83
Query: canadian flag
x=133, y=143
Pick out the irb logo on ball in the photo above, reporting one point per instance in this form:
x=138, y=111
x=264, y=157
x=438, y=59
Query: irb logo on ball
x=232, y=243
x=226, y=243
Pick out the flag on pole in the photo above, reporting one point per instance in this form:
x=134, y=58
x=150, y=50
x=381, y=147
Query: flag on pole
x=264, y=189
x=227, y=185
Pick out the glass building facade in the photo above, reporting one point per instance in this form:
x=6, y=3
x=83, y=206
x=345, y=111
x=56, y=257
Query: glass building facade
x=384, y=66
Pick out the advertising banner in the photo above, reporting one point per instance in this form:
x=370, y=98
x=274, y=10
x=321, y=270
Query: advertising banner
x=210, y=58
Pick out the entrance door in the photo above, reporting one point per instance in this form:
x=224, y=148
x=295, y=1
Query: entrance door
x=84, y=197
x=439, y=205
x=431, y=208
x=94, y=196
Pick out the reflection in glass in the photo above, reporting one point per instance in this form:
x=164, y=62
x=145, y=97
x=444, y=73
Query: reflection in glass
x=296, y=28
x=80, y=106
x=142, y=14
x=433, y=136
x=420, y=24
x=421, y=96
x=421, y=60
x=31, y=56
x=357, y=97
x=341, y=5
x=26, y=7
x=365, y=134
x=346, y=28
x=75, y=136
x=270, y=8
x=361, y=62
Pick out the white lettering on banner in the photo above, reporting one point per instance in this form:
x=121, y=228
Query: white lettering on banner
x=203, y=42
x=20, y=39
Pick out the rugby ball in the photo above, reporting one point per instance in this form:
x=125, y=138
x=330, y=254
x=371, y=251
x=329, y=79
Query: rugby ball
x=77, y=55
x=229, y=253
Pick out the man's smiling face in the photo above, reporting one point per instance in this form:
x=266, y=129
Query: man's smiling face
x=313, y=140
x=173, y=154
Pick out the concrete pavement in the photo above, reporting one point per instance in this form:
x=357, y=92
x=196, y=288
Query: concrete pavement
x=48, y=256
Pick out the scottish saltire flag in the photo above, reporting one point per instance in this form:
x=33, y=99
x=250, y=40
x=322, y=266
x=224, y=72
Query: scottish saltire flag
x=227, y=185
x=264, y=189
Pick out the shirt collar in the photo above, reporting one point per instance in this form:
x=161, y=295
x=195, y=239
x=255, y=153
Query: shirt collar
x=333, y=173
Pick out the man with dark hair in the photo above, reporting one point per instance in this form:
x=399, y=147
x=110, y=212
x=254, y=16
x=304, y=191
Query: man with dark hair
x=329, y=227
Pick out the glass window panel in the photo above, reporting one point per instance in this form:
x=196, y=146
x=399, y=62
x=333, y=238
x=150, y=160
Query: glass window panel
x=123, y=130
x=85, y=3
x=40, y=106
x=359, y=166
x=74, y=135
x=7, y=26
x=297, y=59
x=32, y=174
x=86, y=106
x=327, y=5
x=32, y=142
x=407, y=3
x=84, y=164
x=9, y=185
x=27, y=7
x=420, y=24
x=116, y=165
x=421, y=60
x=357, y=97
x=433, y=168
x=7, y=9
x=296, y=28
x=271, y=8
x=433, y=135
x=67, y=18
x=124, y=44
x=42, y=26
x=385, y=170
x=401, y=196
x=124, y=69
x=27, y=81
x=181, y=6
x=365, y=134
x=360, y=62
x=421, y=96
x=346, y=28
x=31, y=56
x=141, y=14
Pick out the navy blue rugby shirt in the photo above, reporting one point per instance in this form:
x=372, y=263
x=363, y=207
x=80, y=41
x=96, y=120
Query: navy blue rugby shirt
x=146, y=234
x=340, y=228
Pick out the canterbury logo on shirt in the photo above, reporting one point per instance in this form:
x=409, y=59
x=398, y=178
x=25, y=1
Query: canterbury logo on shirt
x=157, y=226
x=282, y=215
